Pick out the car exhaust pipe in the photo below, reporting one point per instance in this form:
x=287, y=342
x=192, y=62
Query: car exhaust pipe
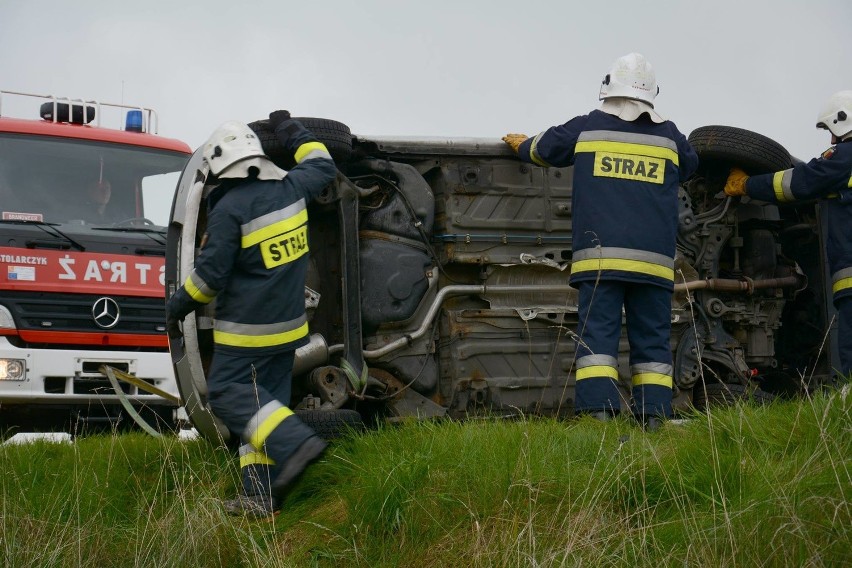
x=311, y=356
x=746, y=285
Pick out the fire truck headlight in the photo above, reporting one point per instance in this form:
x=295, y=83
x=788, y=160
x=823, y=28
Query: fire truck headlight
x=13, y=370
x=6, y=319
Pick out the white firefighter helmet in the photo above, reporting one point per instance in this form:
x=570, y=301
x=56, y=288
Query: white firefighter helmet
x=229, y=144
x=836, y=114
x=631, y=77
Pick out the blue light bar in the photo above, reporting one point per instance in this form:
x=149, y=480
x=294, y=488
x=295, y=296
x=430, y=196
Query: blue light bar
x=133, y=122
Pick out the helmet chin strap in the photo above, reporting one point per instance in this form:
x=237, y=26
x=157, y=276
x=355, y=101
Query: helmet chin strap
x=266, y=170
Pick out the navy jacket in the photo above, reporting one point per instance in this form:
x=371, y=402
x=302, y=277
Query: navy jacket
x=256, y=255
x=624, y=200
x=828, y=177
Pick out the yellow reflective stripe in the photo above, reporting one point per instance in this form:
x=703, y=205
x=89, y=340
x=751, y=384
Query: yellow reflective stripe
x=275, y=229
x=594, y=371
x=240, y=340
x=627, y=148
x=307, y=148
x=534, y=153
x=267, y=219
x=850, y=182
x=842, y=273
x=652, y=379
x=841, y=284
x=782, y=185
x=255, y=458
x=265, y=428
x=637, y=266
x=778, y=186
x=195, y=292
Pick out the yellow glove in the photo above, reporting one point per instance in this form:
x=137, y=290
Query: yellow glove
x=735, y=186
x=514, y=140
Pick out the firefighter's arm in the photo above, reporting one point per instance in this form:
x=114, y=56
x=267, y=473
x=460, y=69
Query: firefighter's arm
x=687, y=157
x=555, y=146
x=314, y=168
x=212, y=267
x=821, y=177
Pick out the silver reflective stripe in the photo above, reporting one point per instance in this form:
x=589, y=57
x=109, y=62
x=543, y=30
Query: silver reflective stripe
x=246, y=449
x=273, y=217
x=255, y=329
x=841, y=274
x=781, y=184
x=534, y=155
x=314, y=154
x=259, y=417
x=594, y=360
x=198, y=289
x=651, y=374
x=659, y=368
x=625, y=254
x=627, y=137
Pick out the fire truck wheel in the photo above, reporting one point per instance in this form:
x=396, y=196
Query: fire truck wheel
x=335, y=135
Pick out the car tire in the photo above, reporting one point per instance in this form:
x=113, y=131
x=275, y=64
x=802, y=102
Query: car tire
x=335, y=135
x=719, y=395
x=331, y=424
x=726, y=146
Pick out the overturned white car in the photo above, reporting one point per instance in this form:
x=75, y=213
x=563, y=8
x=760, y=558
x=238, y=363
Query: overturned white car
x=439, y=284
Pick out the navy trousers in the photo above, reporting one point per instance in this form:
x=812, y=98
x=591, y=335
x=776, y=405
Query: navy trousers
x=647, y=309
x=251, y=396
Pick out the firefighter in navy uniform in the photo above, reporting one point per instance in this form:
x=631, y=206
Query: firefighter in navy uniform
x=828, y=178
x=253, y=262
x=628, y=163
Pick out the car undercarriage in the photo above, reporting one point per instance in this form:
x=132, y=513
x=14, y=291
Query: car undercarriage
x=438, y=284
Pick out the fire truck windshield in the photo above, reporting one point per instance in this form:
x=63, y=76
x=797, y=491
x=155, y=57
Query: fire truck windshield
x=82, y=182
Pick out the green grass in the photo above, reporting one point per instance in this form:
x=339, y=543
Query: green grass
x=745, y=486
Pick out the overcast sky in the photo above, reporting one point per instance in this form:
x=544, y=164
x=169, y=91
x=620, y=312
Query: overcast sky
x=435, y=67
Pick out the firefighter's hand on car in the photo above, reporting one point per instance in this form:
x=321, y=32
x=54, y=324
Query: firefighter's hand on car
x=514, y=140
x=735, y=186
x=276, y=117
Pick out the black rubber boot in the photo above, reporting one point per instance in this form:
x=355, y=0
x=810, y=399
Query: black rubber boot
x=652, y=423
x=310, y=450
x=602, y=415
x=252, y=506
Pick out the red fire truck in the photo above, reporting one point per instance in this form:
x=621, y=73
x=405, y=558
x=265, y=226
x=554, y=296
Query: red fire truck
x=82, y=247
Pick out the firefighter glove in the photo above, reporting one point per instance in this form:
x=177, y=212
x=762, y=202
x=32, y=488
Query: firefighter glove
x=514, y=140
x=276, y=117
x=735, y=186
x=173, y=327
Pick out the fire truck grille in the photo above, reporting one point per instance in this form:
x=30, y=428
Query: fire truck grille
x=86, y=313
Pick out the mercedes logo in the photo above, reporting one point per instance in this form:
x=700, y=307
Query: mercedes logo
x=105, y=312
